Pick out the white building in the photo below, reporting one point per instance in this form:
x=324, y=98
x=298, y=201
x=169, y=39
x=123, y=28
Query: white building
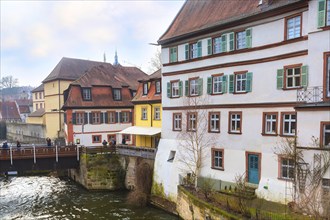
x=252, y=65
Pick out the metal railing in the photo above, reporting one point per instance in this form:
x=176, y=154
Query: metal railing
x=310, y=94
x=147, y=153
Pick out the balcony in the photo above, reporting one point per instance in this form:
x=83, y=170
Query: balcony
x=310, y=94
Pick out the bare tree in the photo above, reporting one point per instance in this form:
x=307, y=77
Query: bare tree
x=155, y=61
x=309, y=195
x=8, y=82
x=194, y=139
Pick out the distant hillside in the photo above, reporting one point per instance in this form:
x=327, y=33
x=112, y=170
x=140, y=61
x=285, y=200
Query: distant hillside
x=21, y=92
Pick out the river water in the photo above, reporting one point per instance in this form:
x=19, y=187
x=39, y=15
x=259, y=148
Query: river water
x=42, y=197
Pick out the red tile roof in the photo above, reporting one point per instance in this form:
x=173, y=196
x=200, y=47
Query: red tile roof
x=70, y=69
x=9, y=111
x=198, y=15
x=24, y=102
x=101, y=80
x=24, y=109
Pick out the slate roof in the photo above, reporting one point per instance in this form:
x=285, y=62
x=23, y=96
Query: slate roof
x=198, y=15
x=151, y=97
x=101, y=80
x=70, y=69
x=9, y=111
x=38, y=113
x=39, y=88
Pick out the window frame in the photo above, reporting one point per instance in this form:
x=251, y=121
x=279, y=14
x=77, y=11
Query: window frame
x=155, y=113
x=128, y=137
x=114, y=136
x=236, y=74
x=193, y=50
x=286, y=68
x=144, y=113
x=171, y=54
x=190, y=126
x=158, y=86
x=213, y=159
x=286, y=20
x=122, y=117
x=96, y=115
x=289, y=167
x=283, y=126
x=174, y=121
x=220, y=82
x=264, y=124
x=230, y=113
x=236, y=41
x=326, y=75
x=210, y=130
x=322, y=133
x=114, y=90
x=145, y=88
x=175, y=87
x=86, y=94
x=196, y=85
x=111, y=113
x=81, y=116
x=96, y=141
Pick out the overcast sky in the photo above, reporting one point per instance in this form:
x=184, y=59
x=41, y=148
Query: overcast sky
x=35, y=35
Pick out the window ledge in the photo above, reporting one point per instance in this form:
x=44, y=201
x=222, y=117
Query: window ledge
x=325, y=28
x=231, y=132
x=287, y=135
x=221, y=93
x=214, y=131
x=264, y=134
x=177, y=130
x=294, y=88
x=285, y=179
x=218, y=168
x=239, y=93
x=174, y=97
x=294, y=39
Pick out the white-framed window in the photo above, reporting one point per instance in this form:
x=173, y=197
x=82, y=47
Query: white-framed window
x=192, y=121
x=195, y=50
x=96, y=119
x=217, y=158
x=158, y=87
x=145, y=88
x=240, y=82
x=270, y=123
x=112, y=117
x=287, y=168
x=144, y=113
x=157, y=113
x=293, y=27
x=193, y=87
x=87, y=94
x=214, y=122
x=327, y=71
x=217, y=45
x=288, y=124
x=177, y=121
x=125, y=117
x=240, y=40
x=175, y=89
x=117, y=94
x=217, y=84
x=80, y=118
x=293, y=77
x=235, y=122
x=325, y=135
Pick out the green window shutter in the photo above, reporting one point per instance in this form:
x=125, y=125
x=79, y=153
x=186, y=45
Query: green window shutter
x=224, y=84
x=85, y=118
x=280, y=78
x=248, y=37
x=180, y=88
x=209, y=46
x=101, y=117
x=186, y=87
x=249, y=82
x=200, y=86
x=224, y=43
x=321, y=13
x=231, y=83
x=106, y=119
x=304, y=76
x=186, y=51
x=199, y=48
x=231, y=41
x=209, y=85
x=169, y=90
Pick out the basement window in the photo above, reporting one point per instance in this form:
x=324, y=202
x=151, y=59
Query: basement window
x=171, y=156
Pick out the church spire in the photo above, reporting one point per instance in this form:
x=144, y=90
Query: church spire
x=116, y=59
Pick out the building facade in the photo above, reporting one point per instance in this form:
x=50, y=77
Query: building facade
x=250, y=68
x=98, y=105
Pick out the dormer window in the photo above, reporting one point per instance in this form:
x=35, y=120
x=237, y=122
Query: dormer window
x=145, y=88
x=158, y=88
x=86, y=94
x=117, y=94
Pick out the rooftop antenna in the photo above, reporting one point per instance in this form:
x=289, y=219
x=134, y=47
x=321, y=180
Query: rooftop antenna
x=116, y=59
x=104, y=58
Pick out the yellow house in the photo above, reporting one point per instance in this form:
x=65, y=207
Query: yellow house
x=147, y=112
x=65, y=72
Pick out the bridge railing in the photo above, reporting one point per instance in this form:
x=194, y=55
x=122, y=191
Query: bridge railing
x=144, y=152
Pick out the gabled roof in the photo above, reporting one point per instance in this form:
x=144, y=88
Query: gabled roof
x=24, y=102
x=24, y=109
x=39, y=88
x=9, y=111
x=199, y=15
x=113, y=76
x=151, y=97
x=38, y=113
x=70, y=69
